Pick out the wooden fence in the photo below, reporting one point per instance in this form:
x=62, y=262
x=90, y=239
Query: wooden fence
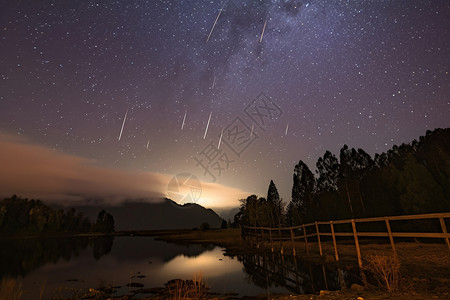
x=271, y=236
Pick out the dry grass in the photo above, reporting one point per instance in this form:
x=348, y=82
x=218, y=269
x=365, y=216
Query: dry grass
x=187, y=289
x=386, y=270
x=10, y=289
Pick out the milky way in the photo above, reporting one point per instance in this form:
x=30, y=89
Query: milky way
x=368, y=74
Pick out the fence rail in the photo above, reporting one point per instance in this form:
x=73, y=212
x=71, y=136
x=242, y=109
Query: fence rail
x=272, y=236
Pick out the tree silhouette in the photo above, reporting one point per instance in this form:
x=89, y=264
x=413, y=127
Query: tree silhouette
x=328, y=168
x=274, y=206
x=105, y=222
x=303, y=189
x=20, y=216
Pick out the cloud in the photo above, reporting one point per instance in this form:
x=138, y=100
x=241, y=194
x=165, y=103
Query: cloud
x=35, y=171
x=219, y=196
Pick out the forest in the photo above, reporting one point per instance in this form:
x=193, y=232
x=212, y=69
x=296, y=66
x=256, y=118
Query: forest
x=408, y=179
x=24, y=216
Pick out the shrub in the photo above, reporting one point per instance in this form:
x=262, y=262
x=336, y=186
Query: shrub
x=204, y=226
x=386, y=270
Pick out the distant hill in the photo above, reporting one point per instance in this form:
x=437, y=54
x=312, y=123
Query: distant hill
x=227, y=213
x=156, y=215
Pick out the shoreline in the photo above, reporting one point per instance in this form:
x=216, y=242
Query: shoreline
x=425, y=267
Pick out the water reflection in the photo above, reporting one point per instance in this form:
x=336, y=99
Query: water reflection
x=18, y=257
x=83, y=263
x=297, y=276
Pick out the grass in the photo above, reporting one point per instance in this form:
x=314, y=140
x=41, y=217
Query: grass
x=187, y=289
x=10, y=289
x=386, y=270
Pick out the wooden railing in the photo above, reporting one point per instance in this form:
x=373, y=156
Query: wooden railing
x=271, y=236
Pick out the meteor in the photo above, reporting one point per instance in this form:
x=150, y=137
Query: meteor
x=215, y=22
x=184, y=119
x=123, y=124
x=287, y=127
x=220, y=139
x=148, y=142
x=214, y=82
x=262, y=33
x=207, y=125
x=251, y=132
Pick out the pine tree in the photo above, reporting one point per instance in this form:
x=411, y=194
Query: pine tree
x=303, y=189
x=274, y=206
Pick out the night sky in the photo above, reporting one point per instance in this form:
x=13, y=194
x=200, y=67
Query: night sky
x=98, y=94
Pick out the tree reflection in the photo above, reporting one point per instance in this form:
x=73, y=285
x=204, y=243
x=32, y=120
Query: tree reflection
x=102, y=245
x=268, y=270
x=18, y=257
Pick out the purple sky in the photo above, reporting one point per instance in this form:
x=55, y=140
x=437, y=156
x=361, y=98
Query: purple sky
x=369, y=74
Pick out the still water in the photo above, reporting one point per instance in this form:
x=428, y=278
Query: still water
x=81, y=263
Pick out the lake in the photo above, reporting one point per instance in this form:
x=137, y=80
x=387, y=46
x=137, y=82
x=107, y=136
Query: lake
x=61, y=266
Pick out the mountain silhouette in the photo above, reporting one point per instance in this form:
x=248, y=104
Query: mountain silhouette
x=165, y=214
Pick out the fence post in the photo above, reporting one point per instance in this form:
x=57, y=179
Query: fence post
x=281, y=241
x=271, y=240
x=292, y=241
x=391, y=238
x=262, y=238
x=444, y=230
x=318, y=238
x=306, y=239
x=336, y=255
x=355, y=235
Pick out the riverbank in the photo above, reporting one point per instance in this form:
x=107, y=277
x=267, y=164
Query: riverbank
x=226, y=238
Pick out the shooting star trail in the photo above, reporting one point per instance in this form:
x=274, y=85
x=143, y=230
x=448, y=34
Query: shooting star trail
x=184, y=119
x=214, y=82
x=123, y=124
x=207, y=125
x=215, y=22
x=251, y=132
x=148, y=142
x=262, y=33
x=220, y=139
x=287, y=127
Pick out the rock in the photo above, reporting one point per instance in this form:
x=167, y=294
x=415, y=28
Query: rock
x=135, y=284
x=107, y=289
x=156, y=290
x=144, y=291
x=174, y=281
x=324, y=292
x=357, y=287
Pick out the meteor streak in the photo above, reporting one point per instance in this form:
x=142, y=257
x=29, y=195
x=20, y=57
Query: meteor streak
x=184, y=119
x=251, y=132
x=287, y=127
x=262, y=33
x=123, y=124
x=214, y=82
x=148, y=142
x=220, y=139
x=207, y=125
x=215, y=22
